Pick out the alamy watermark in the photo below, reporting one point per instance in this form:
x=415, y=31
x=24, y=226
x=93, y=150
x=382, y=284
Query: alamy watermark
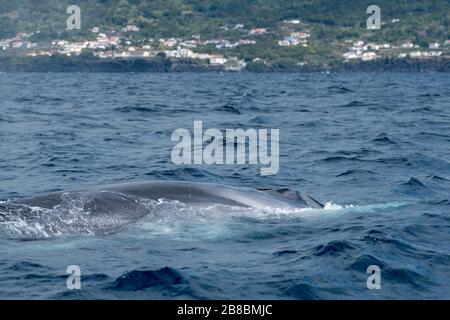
x=215, y=147
x=74, y=280
x=374, y=280
x=73, y=22
x=374, y=20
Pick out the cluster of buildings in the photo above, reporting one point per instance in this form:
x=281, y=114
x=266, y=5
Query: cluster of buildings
x=102, y=42
x=146, y=51
x=421, y=54
x=435, y=50
x=123, y=44
x=220, y=43
x=294, y=39
x=120, y=44
x=371, y=51
x=365, y=52
x=20, y=41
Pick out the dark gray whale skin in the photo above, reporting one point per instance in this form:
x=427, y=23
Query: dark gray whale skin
x=192, y=193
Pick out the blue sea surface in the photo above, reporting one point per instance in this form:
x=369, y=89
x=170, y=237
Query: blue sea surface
x=374, y=147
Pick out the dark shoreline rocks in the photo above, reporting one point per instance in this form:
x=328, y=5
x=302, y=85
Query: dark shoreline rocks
x=160, y=64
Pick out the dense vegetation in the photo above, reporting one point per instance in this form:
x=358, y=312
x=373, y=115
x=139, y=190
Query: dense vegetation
x=420, y=20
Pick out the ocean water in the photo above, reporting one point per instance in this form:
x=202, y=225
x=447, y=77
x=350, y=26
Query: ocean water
x=374, y=147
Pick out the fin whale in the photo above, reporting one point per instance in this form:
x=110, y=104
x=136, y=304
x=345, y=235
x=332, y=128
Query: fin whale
x=106, y=209
x=193, y=193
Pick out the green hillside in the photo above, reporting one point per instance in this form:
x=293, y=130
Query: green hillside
x=332, y=25
x=421, y=20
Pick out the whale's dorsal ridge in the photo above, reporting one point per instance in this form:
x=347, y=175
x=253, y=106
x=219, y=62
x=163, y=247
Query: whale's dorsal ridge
x=295, y=196
x=313, y=203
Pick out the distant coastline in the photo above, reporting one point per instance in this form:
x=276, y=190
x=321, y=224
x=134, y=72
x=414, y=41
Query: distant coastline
x=161, y=64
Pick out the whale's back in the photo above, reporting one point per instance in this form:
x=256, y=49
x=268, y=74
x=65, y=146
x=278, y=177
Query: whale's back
x=191, y=193
x=105, y=209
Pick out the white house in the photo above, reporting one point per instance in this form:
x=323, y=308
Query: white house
x=368, y=56
x=130, y=28
x=217, y=59
x=434, y=46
